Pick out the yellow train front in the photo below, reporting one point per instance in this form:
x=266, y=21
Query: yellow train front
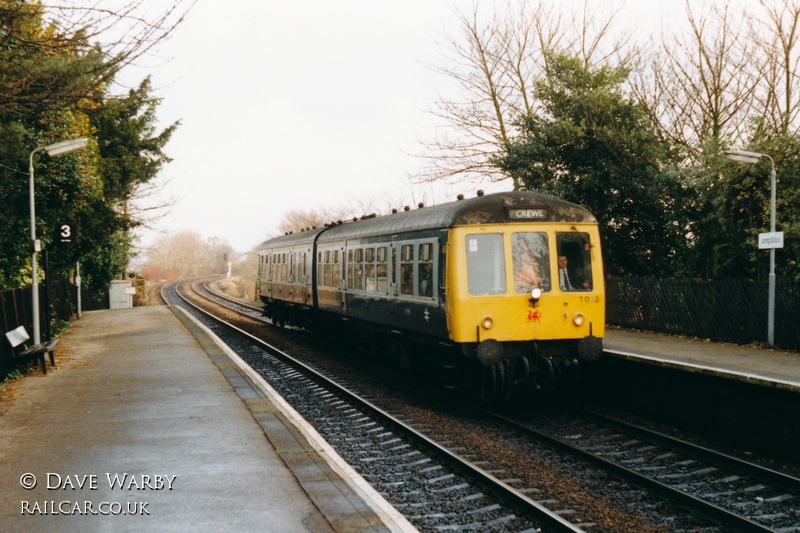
x=525, y=293
x=502, y=291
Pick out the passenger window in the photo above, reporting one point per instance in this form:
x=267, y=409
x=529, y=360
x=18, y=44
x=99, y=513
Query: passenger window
x=531, y=262
x=336, y=272
x=425, y=270
x=486, y=264
x=351, y=278
x=382, y=272
x=359, y=270
x=574, y=261
x=407, y=269
x=369, y=270
x=327, y=273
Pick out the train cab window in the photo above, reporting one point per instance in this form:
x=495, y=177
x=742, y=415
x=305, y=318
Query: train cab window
x=574, y=261
x=382, y=271
x=486, y=264
x=531, y=255
x=425, y=270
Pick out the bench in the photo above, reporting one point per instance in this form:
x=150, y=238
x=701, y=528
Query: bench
x=18, y=339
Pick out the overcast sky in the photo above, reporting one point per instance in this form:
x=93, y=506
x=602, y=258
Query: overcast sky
x=298, y=104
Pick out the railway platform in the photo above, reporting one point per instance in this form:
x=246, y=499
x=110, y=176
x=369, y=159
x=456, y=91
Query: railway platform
x=150, y=423
x=762, y=366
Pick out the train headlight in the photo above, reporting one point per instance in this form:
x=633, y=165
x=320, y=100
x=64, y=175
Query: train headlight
x=536, y=293
x=578, y=319
x=487, y=323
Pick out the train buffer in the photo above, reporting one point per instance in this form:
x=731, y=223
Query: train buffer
x=23, y=350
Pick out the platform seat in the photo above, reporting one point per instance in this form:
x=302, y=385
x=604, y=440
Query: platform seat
x=24, y=351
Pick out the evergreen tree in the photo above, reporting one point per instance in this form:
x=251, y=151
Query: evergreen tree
x=54, y=88
x=592, y=145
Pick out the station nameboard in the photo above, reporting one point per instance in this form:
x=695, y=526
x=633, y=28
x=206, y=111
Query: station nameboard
x=528, y=213
x=767, y=241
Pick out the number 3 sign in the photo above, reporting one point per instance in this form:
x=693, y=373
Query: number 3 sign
x=66, y=233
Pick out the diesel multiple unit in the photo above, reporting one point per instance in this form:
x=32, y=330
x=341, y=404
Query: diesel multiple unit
x=508, y=284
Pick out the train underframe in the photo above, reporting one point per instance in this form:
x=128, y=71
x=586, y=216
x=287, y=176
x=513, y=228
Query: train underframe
x=495, y=371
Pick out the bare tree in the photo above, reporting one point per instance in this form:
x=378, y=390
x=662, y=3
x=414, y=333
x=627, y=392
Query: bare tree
x=701, y=84
x=478, y=125
x=55, y=55
x=188, y=253
x=303, y=219
x=777, y=98
x=296, y=220
x=494, y=61
x=147, y=205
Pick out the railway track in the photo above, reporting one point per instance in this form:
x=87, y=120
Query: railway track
x=425, y=465
x=421, y=466
x=741, y=494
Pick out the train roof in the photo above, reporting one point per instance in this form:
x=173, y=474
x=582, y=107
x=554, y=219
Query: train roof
x=504, y=207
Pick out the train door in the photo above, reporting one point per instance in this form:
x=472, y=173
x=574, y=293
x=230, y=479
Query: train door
x=307, y=266
x=394, y=271
x=338, y=276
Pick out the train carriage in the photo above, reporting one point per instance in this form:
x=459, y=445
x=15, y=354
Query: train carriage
x=511, y=281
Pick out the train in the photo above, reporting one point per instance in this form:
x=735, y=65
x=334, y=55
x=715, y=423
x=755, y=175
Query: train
x=500, y=293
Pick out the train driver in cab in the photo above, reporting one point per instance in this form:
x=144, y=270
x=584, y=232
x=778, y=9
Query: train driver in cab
x=564, y=280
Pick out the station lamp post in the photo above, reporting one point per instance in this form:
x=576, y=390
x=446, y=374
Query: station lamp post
x=53, y=150
x=773, y=240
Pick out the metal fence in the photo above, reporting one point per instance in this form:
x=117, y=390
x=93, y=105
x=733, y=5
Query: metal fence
x=61, y=297
x=730, y=311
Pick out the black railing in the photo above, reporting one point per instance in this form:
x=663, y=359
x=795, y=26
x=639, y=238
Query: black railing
x=729, y=311
x=15, y=311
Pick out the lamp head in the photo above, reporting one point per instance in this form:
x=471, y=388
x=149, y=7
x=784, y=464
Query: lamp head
x=743, y=156
x=66, y=146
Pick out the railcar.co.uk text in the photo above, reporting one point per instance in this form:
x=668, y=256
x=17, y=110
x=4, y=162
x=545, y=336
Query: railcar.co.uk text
x=92, y=482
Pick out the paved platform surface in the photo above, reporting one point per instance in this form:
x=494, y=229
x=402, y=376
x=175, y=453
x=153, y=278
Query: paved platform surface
x=768, y=367
x=150, y=425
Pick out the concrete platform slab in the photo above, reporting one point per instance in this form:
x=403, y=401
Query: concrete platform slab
x=768, y=367
x=140, y=431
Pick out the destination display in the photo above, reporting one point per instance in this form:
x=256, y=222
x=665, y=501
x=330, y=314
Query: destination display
x=528, y=213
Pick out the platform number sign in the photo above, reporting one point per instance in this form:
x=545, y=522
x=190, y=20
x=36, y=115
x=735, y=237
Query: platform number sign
x=66, y=233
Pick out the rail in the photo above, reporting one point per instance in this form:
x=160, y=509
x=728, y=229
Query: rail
x=551, y=520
